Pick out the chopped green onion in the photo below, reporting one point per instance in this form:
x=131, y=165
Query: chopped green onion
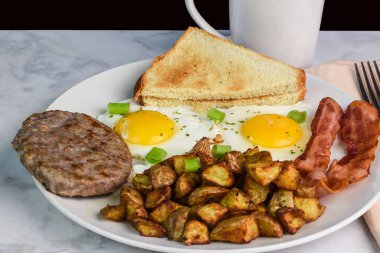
x=297, y=116
x=118, y=108
x=220, y=150
x=215, y=115
x=192, y=164
x=155, y=155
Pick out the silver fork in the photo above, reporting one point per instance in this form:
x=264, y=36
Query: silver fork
x=369, y=87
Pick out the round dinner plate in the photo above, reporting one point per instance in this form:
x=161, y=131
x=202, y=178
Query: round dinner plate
x=92, y=96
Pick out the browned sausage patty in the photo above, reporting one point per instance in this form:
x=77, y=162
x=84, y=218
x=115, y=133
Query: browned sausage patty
x=73, y=154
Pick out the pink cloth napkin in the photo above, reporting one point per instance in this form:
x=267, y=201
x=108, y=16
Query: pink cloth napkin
x=342, y=74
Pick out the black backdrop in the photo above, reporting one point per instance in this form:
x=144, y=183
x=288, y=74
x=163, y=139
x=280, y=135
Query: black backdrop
x=161, y=14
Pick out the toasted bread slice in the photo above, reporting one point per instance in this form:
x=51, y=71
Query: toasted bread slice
x=201, y=68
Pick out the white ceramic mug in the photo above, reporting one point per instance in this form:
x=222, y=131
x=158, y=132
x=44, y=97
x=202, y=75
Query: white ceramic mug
x=286, y=30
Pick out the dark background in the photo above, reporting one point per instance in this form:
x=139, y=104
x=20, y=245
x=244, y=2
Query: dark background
x=161, y=14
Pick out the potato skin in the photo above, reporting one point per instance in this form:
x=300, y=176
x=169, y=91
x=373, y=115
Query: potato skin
x=289, y=176
x=156, y=197
x=175, y=223
x=161, y=176
x=135, y=210
x=142, y=183
x=202, y=150
x=268, y=227
x=256, y=192
x=231, y=159
x=115, y=212
x=195, y=232
x=161, y=212
x=291, y=218
x=185, y=183
x=281, y=198
x=178, y=162
x=128, y=195
x=205, y=193
x=148, y=228
x=218, y=174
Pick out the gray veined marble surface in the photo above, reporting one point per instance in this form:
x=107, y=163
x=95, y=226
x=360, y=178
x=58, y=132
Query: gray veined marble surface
x=37, y=66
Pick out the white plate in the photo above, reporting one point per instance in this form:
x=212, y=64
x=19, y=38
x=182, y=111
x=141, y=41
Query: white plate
x=91, y=97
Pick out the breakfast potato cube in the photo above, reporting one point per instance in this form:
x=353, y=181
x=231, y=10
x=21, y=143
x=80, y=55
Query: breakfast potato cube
x=289, y=176
x=204, y=194
x=195, y=232
x=148, y=228
x=142, y=183
x=218, y=174
x=161, y=212
x=264, y=172
x=193, y=214
x=239, y=229
x=212, y=213
x=178, y=162
x=175, y=223
x=250, y=151
x=291, y=218
x=281, y=198
x=185, y=183
x=135, y=210
x=236, y=200
x=156, y=197
x=231, y=159
x=256, y=192
x=115, y=213
x=202, y=150
x=161, y=176
x=268, y=227
x=312, y=208
x=305, y=191
x=261, y=208
x=129, y=195
x=261, y=156
x=241, y=159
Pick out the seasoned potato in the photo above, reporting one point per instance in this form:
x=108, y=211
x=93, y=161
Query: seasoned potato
x=261, y=156
x=161, y=176
x=281, y=198
x=236, y=200
x=268, y=227
x=193, y=214
x=289, y=176
x=115, y=213
x=203, y=151
x=250, y=151
x=136, y=211
x=161, y=212
x=128, y=195
x=264, y=172
x=205, y=193
x=256, y=192
x=311, y=207
x=156, y=197
x=218, y=174
x=261, y=208
x=239, y=229
x=148, y=228
x=195, y=232
x=231, y=159
x=305, y=191
x=291, y=218
x=179, y=162
x=175, y=223
x=212, y=213
x=185, y=183
x=142, y=183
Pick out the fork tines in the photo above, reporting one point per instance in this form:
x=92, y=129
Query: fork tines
x=369, y=88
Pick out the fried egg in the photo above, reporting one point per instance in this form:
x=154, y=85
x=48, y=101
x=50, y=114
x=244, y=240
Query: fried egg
x=267, y=127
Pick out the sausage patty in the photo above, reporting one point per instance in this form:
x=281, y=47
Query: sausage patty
x=73, y=154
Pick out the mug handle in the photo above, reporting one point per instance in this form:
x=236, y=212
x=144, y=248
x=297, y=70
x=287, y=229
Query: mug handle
x=200, y=20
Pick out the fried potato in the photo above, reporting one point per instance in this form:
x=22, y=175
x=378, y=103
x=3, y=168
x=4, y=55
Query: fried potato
x=239, y=229
x=142, y=183
x=263, y=172
x=305, y=191
x=261, y=208
x=185, y=183
x=195, y=232
x=218, y=174
x=311, y=207
x=289, y=177
x=148, y=228
x=161, y=212
x=268, y=227
x=156, y=197
x=261, y=156
x=203, y=151
x=281, y=198
x=204, y=194
x=236, y=200
x=135, y=210
x=250, y=151
x=175, y=223
x=291, y=218
x=178, y=162
x=115, y=213
x=231, y=159
x=256, y=192
x=212, y=213
x=161, y=176
x=129, y=195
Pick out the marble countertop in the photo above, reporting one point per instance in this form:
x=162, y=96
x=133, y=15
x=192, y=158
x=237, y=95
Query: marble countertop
x=37, y=66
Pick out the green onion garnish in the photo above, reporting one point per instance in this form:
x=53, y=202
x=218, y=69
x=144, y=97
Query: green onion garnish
x=215, y=115
x=297, y=116
x=192, y=164
x=220, y=150
x=155, y=155
x=118, y=108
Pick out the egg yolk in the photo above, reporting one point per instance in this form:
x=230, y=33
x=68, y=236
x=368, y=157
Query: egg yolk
x=271, y=131
x=145, y=127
